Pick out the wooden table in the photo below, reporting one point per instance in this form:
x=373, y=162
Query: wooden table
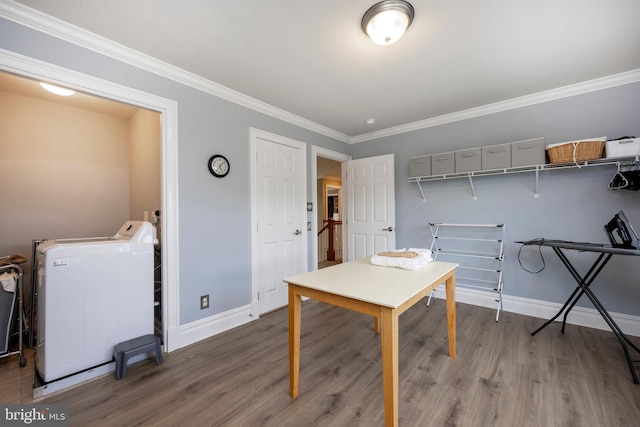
x=382, y=292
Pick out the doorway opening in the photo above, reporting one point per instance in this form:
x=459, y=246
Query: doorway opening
x=167, y=109
x=121, y=142
x=330, y=221
x=329, y=208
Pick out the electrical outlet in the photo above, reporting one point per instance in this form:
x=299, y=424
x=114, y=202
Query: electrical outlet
x=204, y=302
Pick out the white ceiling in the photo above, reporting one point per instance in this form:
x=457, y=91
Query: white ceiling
x=312, y=59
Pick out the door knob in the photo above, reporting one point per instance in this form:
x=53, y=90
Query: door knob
x=297, y=232
x=388, y=229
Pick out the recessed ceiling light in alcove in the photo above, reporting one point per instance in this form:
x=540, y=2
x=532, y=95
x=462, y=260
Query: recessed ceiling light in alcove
x=57, y=89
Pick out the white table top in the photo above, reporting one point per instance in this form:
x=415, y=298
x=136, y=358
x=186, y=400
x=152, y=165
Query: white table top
x=359, y=279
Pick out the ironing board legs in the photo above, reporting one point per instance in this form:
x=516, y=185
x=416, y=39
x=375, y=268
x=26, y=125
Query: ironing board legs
x=583, y=289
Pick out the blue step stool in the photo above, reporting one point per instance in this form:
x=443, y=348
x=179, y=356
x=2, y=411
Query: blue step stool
x=133, y=347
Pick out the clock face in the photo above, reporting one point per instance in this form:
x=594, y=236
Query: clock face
x=218, y=166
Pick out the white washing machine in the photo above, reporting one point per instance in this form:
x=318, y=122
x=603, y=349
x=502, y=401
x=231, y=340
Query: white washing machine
x=93, y=293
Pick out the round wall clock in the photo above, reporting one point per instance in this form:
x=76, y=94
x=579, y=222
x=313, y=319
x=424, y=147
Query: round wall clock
x=218, y=166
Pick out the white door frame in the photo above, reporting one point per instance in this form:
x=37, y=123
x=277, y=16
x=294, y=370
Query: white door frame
x=32, y=68
x=254, y=134
x=333, y=155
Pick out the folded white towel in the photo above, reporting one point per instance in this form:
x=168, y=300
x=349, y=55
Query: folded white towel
x=8, y=281
x=416, y=263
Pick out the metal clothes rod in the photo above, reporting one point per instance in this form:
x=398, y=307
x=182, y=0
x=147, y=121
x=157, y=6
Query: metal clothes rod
x=447, y=224
x=469, y=254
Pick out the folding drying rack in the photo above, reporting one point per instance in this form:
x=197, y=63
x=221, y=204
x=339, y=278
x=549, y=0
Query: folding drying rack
x=479, y=251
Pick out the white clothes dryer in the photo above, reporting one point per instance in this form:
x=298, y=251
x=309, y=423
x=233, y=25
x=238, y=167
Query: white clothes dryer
x=93, y=293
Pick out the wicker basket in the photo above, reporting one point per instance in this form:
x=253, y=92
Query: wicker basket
x=576, y=151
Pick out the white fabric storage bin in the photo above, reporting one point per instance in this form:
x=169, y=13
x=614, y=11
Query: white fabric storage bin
x=622, y=148
x=419, y=166
x=443, y=163
x=529, y=152
x=468, y=160
x=496, y=157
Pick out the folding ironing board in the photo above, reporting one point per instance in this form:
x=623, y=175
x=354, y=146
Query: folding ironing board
x=584, y=282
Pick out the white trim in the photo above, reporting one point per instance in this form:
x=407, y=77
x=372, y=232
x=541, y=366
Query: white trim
x=581, y=316
x=589, y=317
x=204, y=328
x=44, y=23
x=328, y=154
x=254, y=134
x=628, y=77
x=29, y=67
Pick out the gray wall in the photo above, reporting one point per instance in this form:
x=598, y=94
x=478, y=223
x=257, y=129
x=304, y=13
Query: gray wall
x=214, y=226
x=573, y=204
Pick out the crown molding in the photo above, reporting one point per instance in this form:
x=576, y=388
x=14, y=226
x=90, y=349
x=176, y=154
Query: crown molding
x=54, y=27
x=49, y=25
x=620, y=79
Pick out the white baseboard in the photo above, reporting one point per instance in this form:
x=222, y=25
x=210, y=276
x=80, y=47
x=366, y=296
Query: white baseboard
x=581, y=316
x=213, y=325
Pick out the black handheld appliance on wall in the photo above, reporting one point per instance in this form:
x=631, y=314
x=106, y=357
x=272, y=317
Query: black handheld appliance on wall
x=620, y=232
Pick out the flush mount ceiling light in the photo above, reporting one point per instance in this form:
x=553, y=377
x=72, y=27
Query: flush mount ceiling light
x=57, y=89
x=386, y=22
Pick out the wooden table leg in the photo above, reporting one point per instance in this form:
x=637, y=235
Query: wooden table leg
x=451, y=313
x=294, y=340
x=389, y=338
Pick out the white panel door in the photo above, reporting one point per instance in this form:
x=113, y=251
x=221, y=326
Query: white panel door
x=281, y=222
x=371, y=214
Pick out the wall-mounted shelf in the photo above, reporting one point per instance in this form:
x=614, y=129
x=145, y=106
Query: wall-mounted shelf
x=619, y=162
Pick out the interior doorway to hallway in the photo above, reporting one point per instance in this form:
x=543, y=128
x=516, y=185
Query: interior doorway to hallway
x=328, y=207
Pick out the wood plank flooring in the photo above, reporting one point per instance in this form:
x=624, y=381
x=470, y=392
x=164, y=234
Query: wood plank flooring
x=502, y=376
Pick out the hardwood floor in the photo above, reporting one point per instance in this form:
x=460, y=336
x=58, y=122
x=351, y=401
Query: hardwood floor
x=325, y=264
x=16, y=384
x=502, y=376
